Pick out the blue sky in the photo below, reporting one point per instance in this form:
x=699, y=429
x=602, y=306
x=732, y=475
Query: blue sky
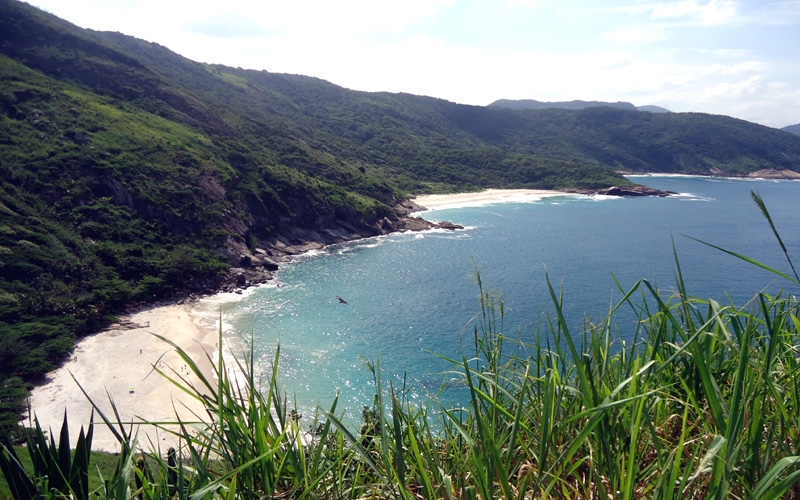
x=732, y=57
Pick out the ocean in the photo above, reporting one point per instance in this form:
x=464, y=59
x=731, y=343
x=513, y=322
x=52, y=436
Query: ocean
x=409, y=298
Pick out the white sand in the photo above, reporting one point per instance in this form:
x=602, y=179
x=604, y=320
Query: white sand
x=439, y=201
x=119, y=361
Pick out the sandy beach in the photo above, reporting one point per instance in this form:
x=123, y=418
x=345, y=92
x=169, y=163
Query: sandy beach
x=439, y=201
x=119, y=363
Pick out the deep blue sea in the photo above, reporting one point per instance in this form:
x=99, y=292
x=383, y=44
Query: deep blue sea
x=414, y=294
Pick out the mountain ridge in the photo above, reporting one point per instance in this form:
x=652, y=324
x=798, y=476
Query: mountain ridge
x=576, y=104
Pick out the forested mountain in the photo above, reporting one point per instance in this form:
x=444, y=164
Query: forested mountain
x=129, y=173
x=534, y=104
x=794, y=129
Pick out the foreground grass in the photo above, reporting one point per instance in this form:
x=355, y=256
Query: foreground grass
x=704, y=403
x=101, y=465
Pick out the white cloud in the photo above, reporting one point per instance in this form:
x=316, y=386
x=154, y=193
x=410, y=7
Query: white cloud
x=779, y=13
x=635, y=35
x=737, y=69
x=730, y=53
x=229, y=25
x=528, y=4
x=752, y=85
x=710, y=13
x=614, y=60
x=347, y=16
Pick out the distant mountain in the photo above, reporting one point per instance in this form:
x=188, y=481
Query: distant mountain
x=795, y=129
x=653, y=109
x=130, y=174
x=533, y=104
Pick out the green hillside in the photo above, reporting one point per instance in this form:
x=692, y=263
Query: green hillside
x=129, y=174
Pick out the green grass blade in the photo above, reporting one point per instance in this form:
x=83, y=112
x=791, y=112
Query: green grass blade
x=762, y=207
x=748, y=260
x=772, y=486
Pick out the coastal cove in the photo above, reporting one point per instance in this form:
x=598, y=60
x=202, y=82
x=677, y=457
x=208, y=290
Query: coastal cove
x=410, y=295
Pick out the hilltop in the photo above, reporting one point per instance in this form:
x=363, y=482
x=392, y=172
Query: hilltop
x=534, y=104
x=130, y=174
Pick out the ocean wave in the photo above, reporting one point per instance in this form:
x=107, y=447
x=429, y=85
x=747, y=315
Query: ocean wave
x=443, y=233
x=711, y=178
x=310, y=254
x=692, y=197
x=602, y=197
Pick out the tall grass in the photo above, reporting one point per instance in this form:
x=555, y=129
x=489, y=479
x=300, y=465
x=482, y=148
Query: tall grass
x=703, y=403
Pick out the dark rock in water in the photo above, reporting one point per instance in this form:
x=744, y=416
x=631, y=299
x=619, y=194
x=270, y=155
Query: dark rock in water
x=413, y=224
x=448, y=225
x=635, y=191
x=625, y=191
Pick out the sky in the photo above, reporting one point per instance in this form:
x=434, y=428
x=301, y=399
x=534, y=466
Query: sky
x=739, y=58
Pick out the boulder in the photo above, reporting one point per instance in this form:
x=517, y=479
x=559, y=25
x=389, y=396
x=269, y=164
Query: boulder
x=633, y=191
x=241, y=280
x=448, y=225
x=269, y=264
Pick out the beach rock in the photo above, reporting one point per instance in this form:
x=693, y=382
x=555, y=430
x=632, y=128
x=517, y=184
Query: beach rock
x=774, y=174
x=241, y=279
x=413, y=224
x=626, y=191
x=448, y=225
x=250, y=268
x=269, y=264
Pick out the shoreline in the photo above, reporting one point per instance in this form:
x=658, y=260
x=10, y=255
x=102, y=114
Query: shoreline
x=118, y=363
x=485, y=197
x=112, y=362
x=120, y=359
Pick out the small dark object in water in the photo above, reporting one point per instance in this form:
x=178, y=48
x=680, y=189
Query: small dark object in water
x=341, y=300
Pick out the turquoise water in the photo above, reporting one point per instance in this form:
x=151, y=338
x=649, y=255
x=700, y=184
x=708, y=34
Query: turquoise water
x=411, y=295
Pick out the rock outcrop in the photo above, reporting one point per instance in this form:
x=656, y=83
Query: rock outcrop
x=624, y=191
x=634, y=191
x=254, y=267
x=770, y=173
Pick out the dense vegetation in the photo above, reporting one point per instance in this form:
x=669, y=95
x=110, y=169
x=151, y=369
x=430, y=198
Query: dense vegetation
x=704, y=404
x=534, y=104
x=129, y=173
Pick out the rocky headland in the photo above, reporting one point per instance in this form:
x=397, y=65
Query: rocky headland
x=255, y=267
